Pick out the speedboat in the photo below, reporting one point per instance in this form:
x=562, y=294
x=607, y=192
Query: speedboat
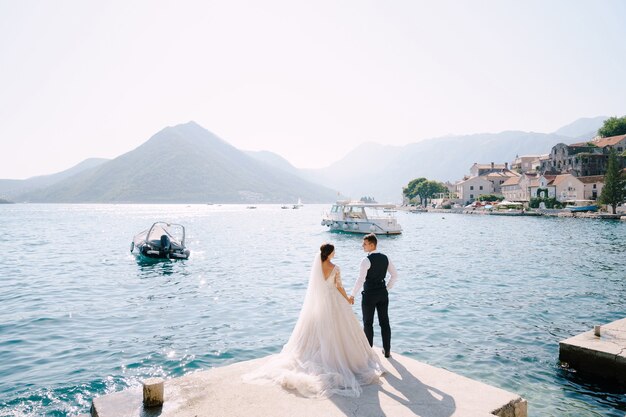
x=161, y=241
x=360, y=217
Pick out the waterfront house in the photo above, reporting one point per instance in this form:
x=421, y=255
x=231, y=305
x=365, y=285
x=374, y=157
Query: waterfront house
x=542, y=187
x=484, y=179
x=568, y=187
x=592, y=186
x=499, y=178
x=469, y=189
x=511, y=189
x=529, y=185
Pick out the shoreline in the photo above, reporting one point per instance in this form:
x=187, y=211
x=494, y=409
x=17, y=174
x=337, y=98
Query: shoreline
x=534, y=213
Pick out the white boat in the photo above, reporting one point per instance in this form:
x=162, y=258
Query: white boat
x=298, y=205
x=359, y=217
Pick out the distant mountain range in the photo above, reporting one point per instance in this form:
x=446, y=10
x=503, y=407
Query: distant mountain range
x=13, y=188
x=583, y=128
x=381, y=171
x=184, y=163
x=187, y=163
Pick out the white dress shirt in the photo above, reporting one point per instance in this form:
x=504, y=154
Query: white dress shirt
x=365, y=266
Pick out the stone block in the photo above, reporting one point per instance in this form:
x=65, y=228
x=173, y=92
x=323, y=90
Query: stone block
x=153, y=389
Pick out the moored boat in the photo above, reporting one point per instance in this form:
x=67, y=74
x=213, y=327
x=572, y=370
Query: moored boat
x=297, y=205
x=161, y=241
x=576, y=206
x=359, y=217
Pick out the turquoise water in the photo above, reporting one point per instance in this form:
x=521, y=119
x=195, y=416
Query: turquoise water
x=483, y=296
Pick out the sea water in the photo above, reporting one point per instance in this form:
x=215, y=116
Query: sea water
x=487, y=297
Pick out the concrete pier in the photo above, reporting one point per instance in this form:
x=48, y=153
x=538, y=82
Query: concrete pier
x=409, y=388
x=603, y=355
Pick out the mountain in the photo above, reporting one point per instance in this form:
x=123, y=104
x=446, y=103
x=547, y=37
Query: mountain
x=381, y=171
x=583, y=128
x=13, y=188
x=274, y=160
x=187, y=163
x=184, y=163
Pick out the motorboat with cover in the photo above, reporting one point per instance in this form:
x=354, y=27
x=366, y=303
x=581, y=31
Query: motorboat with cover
x=360, y=217
x=161, y=241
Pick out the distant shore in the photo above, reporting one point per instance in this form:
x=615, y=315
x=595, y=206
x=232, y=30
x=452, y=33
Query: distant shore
x=536, y=212
x=3, y=201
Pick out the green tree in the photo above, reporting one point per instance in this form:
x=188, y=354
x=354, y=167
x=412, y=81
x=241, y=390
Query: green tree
x=424, y=189
x=410, y=190
x=613, y=126
x=613, y=192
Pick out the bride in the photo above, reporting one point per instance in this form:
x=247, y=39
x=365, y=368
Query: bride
x=327, y=352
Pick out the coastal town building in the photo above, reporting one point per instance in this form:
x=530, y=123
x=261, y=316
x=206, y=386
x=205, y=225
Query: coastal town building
x=499, y=178
x=568, y=172
x=563, y=187
x=481, y=169
x=585, y=158
x=592, y=186
x=471, y=188
x=526, y=163
x=542, y=187
x=483, y=179
x=568, y=188
x=529, y=185
x=511, y=189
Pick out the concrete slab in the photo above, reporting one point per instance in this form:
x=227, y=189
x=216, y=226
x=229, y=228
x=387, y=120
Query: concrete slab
x=602, y=356
x=409, y=388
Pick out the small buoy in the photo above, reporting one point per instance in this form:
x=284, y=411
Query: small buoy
x=346, y=225
x=355, y=226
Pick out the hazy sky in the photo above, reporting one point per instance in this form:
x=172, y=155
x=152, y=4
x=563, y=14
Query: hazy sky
x=307, y=80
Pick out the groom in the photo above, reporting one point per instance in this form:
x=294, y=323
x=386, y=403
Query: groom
x=373, y=270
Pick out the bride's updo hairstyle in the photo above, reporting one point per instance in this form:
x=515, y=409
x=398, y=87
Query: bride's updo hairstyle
x=325, y=250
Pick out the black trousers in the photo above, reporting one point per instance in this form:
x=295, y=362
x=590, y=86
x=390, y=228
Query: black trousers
x=376, y=300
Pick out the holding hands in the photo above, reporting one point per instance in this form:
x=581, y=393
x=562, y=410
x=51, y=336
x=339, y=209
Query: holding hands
x=351, y=300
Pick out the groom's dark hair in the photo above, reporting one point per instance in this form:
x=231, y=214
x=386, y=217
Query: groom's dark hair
x=326, y=249
x=371, y=238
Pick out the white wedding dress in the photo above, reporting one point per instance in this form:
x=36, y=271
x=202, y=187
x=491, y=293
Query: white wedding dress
x=327, y=352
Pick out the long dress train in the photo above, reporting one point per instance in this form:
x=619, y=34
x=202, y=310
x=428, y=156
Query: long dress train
x=327, y=352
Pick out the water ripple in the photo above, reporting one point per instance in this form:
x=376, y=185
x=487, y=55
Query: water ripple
x=485, y=297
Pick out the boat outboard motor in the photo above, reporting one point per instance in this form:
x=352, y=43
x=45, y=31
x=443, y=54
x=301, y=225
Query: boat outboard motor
x=166, y=245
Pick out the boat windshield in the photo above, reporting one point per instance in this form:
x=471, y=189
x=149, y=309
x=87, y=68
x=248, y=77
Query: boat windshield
x=175, y=232
x=355, y=212
x=378, y=212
